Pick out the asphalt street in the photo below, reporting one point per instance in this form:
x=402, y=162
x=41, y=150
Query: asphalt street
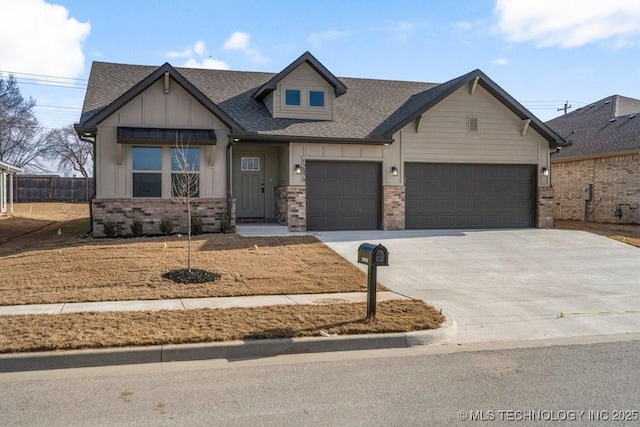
x=582, y=383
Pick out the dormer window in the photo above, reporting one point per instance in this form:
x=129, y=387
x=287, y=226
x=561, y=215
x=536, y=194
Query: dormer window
x=316, y=98
x=292, y=97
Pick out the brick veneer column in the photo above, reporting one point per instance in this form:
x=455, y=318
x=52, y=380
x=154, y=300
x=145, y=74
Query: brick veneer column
x=545, y=207
x=393, y=214
x=297, y=207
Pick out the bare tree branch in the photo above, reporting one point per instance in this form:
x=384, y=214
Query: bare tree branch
x=22, y=140
x=70, y=153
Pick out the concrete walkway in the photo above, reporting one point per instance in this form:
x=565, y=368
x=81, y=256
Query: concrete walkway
x=194, y=303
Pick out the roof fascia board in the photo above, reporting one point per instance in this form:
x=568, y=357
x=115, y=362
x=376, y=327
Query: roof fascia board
x=594, y=156
x=144, y=84
x=338, y=87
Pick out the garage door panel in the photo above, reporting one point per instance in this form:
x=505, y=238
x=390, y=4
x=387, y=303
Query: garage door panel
x=350, y=194
x=469, y=196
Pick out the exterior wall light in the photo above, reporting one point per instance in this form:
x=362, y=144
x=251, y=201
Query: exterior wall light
x=298, y=169
x=545, y=171
x=394, y=171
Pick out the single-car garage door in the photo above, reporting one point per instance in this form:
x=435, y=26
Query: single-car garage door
x=343, y=195
x=469, y=196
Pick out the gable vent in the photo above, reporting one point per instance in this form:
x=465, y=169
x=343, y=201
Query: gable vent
x=472, y=124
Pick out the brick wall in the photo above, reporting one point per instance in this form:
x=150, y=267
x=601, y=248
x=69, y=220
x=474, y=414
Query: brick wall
x=393, y=207
x=291, y=207
x=123, y=212
x=615, y=180
x=545, y=207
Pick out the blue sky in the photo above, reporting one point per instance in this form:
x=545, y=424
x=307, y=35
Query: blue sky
x=542, y=52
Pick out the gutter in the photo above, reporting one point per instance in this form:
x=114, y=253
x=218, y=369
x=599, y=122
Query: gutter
x=93, y=186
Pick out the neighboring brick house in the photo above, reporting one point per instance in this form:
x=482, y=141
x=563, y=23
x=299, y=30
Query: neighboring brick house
x=315, y=152
x=597, y=178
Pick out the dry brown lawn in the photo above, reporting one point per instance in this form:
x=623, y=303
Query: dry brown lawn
x=627, y=233
x=100, y=330
x=47, y=263
x=45, y=257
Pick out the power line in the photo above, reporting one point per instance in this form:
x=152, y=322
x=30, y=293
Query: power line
x=58, y=106
x=43, y=75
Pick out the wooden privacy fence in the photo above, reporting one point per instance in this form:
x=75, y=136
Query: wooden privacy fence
x=51, y=188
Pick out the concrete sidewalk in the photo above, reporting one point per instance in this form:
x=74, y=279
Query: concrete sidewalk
x=195, y=303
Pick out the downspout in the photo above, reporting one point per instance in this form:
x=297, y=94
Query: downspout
x=93, y=186
x=229, y=176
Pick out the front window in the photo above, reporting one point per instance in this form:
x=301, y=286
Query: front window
x=185, y=172
x=292, y=97
x=147, y=171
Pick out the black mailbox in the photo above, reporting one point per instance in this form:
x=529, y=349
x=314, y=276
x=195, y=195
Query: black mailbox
x=374, y=255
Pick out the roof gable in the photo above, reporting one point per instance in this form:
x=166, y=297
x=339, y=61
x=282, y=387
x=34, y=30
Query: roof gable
x=419, y=103
x=90, y=123
x=338, y=87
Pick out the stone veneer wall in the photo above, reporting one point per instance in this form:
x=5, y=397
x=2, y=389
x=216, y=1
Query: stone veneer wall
x=291, y=207
x=615, y=180
x=393, y=214
x=545, y=208
x=150, y=211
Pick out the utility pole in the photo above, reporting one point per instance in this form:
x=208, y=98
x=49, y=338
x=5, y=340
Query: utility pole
x=565, y=108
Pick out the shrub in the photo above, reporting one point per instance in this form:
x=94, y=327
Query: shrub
x=196, y=225
x=136, y=227
x=166, y=225
x=224, y=224
x=109, y=229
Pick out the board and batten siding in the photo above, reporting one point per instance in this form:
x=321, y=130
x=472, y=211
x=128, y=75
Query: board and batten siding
x=388, y=156
x=154, y=108
x=304, y=78
x=443, y=137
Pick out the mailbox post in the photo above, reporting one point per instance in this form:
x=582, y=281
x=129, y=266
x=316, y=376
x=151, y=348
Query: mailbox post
x=373, y=256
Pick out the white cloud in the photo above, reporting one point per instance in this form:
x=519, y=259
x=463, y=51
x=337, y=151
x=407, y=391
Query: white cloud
x=41, y=38
x=196, y=57
x=242, y=42
x=318, y=39
x=462, y=25
x=500, y=61
x=214, y=64
x=199, y=47
x=401, y=31
x=569, y=23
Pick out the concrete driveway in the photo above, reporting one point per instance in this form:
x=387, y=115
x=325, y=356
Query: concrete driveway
x=502, y=285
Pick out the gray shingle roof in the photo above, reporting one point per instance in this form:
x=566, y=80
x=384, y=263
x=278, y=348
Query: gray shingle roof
x=610, y=125
x=370, y=109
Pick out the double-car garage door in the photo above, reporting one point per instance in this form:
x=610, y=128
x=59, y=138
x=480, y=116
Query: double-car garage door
x=469, y=196
x=347, y=196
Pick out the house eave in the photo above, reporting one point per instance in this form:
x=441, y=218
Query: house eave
x=262, y=138
x=594, y=156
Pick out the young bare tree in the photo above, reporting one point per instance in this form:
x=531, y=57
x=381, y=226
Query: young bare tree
x=71, y=153
x=22, y=140
x=185, y=182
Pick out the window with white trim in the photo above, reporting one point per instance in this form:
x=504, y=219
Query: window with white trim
x=250, y=164
x=292, y=97
x=316, y=98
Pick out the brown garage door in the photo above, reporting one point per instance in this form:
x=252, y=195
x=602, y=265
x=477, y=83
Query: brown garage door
x=343, y=196
x=469, y=196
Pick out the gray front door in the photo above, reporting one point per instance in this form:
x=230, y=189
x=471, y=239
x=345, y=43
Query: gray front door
x=249, y=185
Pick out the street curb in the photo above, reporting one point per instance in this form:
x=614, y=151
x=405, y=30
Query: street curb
x=233, y=350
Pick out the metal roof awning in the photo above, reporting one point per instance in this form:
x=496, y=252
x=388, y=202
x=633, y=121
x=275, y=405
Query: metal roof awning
x=135, y=135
